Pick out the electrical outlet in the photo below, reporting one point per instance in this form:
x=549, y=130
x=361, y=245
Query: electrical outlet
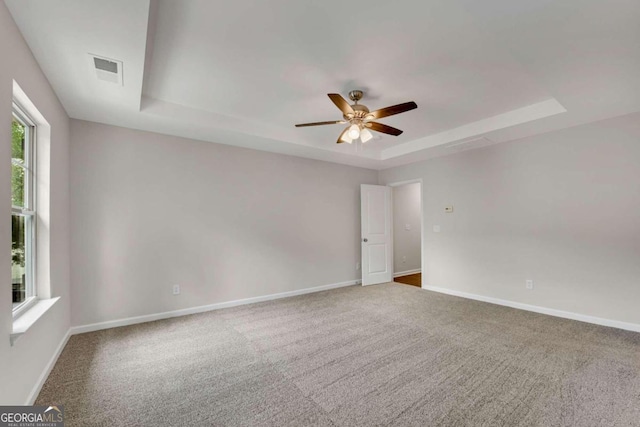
x=404, y=259
x=357, y=266
x=529, y=284
x=176, y=289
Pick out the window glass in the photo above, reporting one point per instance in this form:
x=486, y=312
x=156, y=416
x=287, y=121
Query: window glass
x=23, y=216
x=18, y=165
x=18, y=259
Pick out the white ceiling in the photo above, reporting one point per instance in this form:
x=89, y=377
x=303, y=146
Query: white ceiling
x=243, y=73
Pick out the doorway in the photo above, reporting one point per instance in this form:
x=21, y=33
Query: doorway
x=407, y=233
x=391, y=236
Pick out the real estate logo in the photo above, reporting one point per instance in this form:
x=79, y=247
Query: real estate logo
x=31, y=416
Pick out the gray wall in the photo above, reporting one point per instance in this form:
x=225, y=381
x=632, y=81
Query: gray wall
x=406, y=243
x=561, y=208
x=22, y=364
x=150, y=211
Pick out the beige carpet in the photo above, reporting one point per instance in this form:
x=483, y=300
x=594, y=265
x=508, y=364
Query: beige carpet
x=373, y=356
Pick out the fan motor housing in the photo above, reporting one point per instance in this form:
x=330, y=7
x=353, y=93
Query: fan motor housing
x=360, y=112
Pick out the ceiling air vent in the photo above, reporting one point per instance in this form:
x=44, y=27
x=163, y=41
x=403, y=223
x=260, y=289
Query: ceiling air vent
x=106, y=69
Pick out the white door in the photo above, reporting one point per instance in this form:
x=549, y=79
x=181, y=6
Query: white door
x=377, y=256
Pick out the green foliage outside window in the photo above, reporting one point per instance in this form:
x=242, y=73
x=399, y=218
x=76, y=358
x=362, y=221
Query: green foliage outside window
x=17, y=163
x=17, y=191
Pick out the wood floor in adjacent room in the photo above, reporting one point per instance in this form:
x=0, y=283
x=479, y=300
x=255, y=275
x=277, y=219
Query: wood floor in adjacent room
x=410, y=279
x=356, y=356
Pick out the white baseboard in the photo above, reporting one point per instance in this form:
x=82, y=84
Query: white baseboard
x=47, y=370
x=406, y=273
x=538, y=309
x=204, y=308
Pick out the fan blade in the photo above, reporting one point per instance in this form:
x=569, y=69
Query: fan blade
x=390, y=111
x=335, y=122
x=340, y=141
x=379, y=127
x=342, y=104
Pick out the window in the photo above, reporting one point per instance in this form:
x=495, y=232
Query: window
x=23, y=212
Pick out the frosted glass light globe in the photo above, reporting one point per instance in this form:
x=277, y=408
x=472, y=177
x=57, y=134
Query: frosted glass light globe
x=354, y=132
x=365, y=135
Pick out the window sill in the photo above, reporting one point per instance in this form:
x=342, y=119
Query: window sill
x=30, y=317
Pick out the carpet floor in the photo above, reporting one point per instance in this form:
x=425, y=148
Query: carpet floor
x=356, y=356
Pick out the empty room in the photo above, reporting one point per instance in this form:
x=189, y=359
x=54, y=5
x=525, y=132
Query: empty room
x=296, y=213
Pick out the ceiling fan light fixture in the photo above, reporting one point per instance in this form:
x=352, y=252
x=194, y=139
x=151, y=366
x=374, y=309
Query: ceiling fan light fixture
x=345, y=138
x=365, y=135
x=354, y=131
x=360, y=119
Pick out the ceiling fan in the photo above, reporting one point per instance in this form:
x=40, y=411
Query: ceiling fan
x=360, y=119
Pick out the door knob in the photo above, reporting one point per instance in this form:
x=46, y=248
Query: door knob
x=365, y=240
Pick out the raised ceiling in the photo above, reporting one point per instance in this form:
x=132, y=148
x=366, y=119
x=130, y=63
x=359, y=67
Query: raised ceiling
x=243, y=73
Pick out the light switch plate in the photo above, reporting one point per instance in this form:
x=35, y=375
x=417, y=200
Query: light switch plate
x=436, y=228
x=448, y=209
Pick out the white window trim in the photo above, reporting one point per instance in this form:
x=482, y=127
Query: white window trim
x=30, y=317
x=24, y=306
x=31, y=313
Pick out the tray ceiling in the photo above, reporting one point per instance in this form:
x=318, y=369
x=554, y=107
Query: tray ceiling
x=242, y=73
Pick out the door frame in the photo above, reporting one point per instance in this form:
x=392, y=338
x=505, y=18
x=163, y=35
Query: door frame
x=422, y=230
